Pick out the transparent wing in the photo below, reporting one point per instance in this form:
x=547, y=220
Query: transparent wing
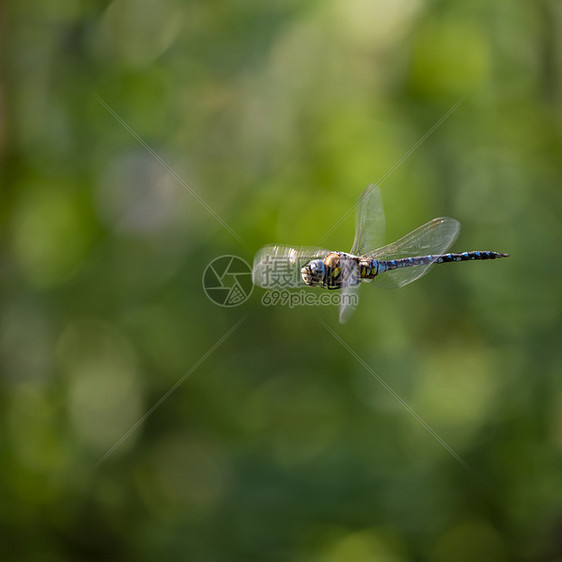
x=279, y=267
x=349, y=300
x=433, y=238
x=369, y=221
x=349, y=294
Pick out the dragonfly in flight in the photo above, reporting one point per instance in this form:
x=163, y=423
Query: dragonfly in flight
x=393, y=265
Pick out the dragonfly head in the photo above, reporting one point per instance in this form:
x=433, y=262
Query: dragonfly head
x=313, y=272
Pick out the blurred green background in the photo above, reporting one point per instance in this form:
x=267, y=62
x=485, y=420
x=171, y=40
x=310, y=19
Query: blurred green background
x=280, y=445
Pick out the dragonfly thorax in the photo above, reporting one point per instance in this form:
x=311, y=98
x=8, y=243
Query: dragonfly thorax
x=324, y=273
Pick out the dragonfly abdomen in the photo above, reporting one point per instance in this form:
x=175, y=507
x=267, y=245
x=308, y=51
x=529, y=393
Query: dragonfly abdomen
x=388, y=265
x=465, y=256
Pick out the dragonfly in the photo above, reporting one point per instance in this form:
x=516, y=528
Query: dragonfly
x=388, y=266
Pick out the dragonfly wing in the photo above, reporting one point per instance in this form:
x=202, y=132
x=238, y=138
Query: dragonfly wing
x=369, y=221
x=349, y=294
x=433, y=238
x=279, y=267
x=349, y=300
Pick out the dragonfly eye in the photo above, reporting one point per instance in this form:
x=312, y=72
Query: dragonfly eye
x=313, y=273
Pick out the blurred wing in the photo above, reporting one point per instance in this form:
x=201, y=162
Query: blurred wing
x=349, y=300
x=279, y=267
x=433, y=238
x=369, y=221
x=349, y=294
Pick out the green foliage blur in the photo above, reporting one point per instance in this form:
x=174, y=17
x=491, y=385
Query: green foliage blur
x=122, y=437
